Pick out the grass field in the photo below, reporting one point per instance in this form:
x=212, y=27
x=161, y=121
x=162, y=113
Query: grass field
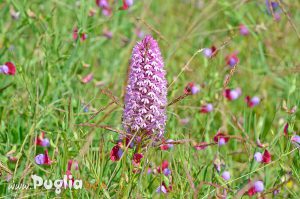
x=73, y=89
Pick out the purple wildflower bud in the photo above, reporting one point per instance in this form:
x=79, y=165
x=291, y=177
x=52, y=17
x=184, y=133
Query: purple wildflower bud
x=232, y=61
x=161, y=189
x=296, y=139
x=226, y=175
x=146, y=94
x=4, y=69
x=170, y=146
x=149, y=171
x=277, y=16
x=8, y=177
x=234, y=94
x=209, y=107
x=129, y=2
x=243, y=30
x=191, y=88
x=40, y=159
x=271, y=5
x=45, y=142
x=276, y=192
x=258, y=157
x=167, y=171
x=207, y=52
x=221, y=141
x=255, y=100
x=259, y=186
x=86, y=109
x=206, y=108
x=106, y=12
x=102, y=3
x=195, y=89
x=252, y=101
x=120, y=152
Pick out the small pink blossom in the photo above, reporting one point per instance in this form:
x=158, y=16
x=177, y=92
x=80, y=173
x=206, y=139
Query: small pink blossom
x=42, y=141
x=87, y=78
x=232, y=94
x=243, y=30
x=167, y=172
x=104, y=5
x=163, y=188
x=296, y=139
x=232, y=59
x=221, y=138
x=206, y=108
x=137, y=159
x=210, y=52
x=116, y=153
x=164, y=165
x=226, y=175
x=75, y=33
x=257, y=187
x=286, y=129
x=201, y=146
x=83, y=36
x=258, y=157
x=43, y=159
x=166, y=145
x=251, y=102
x=191, y=89
x=8, y=69
x=126, y=4
x=266, y=158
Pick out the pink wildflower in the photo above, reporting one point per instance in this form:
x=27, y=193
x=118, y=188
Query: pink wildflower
x=191, y=89
x=146, y=93
x=116, y=153
x=243, y=30
x=226, y=175
x=126, y=4
x=42, y=141
x=286, y=129
x=166, y=145
x=232, y=59
x=201, y=146
x=232, y=94
x=266, y=157
x=251, y=102
x=87, y=78
x=210, y=52
x=221, y=138
x=43, y=159
x=104, y=5
x=296, y=139
x=8, y=69
x=137, y=159
x=206, y=108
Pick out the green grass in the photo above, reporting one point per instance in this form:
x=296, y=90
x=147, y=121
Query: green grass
x=46, y=94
